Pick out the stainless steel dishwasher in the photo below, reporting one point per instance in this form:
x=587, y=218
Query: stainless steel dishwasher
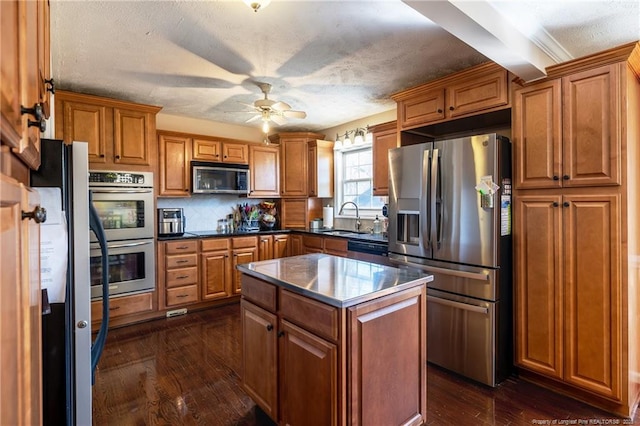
x=369, y=251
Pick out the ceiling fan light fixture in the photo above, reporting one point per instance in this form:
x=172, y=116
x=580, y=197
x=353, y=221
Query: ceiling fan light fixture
x=265, y=126
x=257, y=4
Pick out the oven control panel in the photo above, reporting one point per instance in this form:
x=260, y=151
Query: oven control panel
x=120, y=178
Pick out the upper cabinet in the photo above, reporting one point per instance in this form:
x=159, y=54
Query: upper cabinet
x=220, y=151
x=120, y=134
x=25, y=80
x=385, y=137
x=567, y=131
x=480, y=89
x=294, y=162
x=264, y=171
x=320, y=168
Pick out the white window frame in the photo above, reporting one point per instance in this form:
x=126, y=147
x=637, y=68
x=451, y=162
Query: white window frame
x=350, y=211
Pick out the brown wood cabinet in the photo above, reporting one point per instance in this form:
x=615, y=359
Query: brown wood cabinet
x=21, y=313
x=385, y=137
x=320, y=168
x=567, y=131
x=215, y=268
x=175, y=165
x=243, y=250
x=576, y=218
x=296, y=245
x=220, y=151
x=294, y=158
x=120, y=134
x=24, y=72
x=329, y=245
x=306, y=362
x=480, y=89
x=181, y=273
x=122, y=307
x=264, y=171
x=273, y=246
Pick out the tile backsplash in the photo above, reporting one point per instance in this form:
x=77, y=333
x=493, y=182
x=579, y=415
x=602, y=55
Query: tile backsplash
x=203, y=211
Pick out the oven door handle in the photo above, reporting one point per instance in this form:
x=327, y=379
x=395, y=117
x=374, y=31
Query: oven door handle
x=458, y=305
x=121, y=191
x=143, y=243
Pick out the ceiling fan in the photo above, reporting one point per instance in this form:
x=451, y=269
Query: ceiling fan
x=270, y=110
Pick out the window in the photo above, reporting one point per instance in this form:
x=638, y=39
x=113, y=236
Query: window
x=354, y=174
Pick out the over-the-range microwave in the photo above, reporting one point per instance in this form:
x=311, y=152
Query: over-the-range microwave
x=219, y=178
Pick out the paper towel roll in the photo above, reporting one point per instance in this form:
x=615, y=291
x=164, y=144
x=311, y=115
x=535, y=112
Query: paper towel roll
x=327, y=217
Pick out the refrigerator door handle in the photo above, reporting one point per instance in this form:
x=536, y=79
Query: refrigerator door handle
x=98, y=345
x=435, y=173
x=458, y=305
x=425, y=221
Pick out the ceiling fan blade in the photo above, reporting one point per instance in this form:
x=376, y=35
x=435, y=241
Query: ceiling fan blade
x=294, y=114
x=254, y=118
x=278, y=119
x=281, y=106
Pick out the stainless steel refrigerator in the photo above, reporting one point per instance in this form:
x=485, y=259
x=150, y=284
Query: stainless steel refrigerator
x=450, y=215
x=69, y=355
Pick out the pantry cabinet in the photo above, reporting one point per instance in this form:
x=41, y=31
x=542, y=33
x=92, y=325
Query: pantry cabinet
x=119, y=134
x=480, y=89
x=568, y=131
x=294, y=162
x=575, y=236
x=385, y=137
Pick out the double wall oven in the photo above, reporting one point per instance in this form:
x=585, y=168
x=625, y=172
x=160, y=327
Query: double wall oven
x=125, y=205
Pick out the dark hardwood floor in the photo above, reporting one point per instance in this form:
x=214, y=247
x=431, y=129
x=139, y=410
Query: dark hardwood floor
x=185, y=371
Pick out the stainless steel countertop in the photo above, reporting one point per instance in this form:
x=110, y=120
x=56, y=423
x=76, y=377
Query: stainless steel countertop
x=334, y=280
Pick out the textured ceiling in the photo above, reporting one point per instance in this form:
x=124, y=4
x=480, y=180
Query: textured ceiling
x=337, y=60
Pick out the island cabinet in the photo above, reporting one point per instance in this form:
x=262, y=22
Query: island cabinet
x=385, y=137
x=576, y=216
x=119, y=134
x=309, y=360
x=480, y=89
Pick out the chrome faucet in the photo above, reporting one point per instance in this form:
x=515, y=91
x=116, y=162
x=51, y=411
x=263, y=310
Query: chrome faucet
x=358, y=223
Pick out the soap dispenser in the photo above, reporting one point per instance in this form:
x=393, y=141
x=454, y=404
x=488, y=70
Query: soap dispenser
x=377, y=226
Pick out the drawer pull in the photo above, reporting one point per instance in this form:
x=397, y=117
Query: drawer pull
x=182, y=277
x=114, y=308
x=182, y=295
x=182, y=248
x=182, y=261
x=269, y=327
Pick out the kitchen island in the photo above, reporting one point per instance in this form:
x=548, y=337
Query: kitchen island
x=329, y=340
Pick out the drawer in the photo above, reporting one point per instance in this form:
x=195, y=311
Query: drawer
x=182, y=295
x=245, y=242
x=125, y=305
x=180, y=261
x=182, y=276
x=182, y=246
x=309, y=314
x=214, y=244
x=259, y=292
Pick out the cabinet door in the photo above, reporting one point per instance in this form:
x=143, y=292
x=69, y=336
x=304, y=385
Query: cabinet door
x=206, y=150
x=591, y=122
x=294, y=213
x=215, y=279
x=385, y=137
x=388, y=346
x=477, y=93
x=44, y=56
x=593, y=307
x=308, y=378
x=83, y=122
x=259, y=357
x=175, y=173
x=320, y=168
x=235, y=153
x=10, y=74
x=265, y=247
x=280, y=246
x=537, y=136
x=20, y=313
x=539, y=288
x=422, y=109
x=264, y=173
x=131, y=137
x=296, y=245
x=240, y=256
x=293, y=157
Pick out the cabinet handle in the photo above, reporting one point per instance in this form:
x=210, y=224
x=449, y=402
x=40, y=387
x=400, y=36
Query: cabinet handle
x=565, y=177
x=117, y=157
x=556, y=178
x=36, y=111
x=439, y=110
x=182, y=277
x=565, y=204
x=280, y=333
x=451, y=108
x=269, y=327
x=101, y=155
x=555, y=204
x=114, y=308
x=51, y=86
x=182, y=248
x=182, y=295
x=181, y=261
x=39, y=215
x=41, y=124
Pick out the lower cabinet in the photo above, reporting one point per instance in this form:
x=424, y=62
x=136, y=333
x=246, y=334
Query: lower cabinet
x=215, y=268
x=329, y=245
x=273, y=246
x=244, y=250
x=181, y=273
x=305, y=362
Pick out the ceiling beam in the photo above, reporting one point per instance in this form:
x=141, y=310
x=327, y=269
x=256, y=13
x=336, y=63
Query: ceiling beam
x=482, y=27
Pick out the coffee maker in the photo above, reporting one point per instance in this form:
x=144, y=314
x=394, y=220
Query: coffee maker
x=171, y=221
